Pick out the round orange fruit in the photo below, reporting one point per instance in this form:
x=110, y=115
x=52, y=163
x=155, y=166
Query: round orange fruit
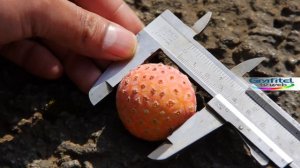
x=155, y=99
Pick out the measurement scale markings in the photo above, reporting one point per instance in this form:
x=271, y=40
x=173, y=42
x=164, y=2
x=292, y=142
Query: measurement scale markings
x=210, y=68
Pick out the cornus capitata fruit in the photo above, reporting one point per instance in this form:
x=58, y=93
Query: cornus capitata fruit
x=155, y=99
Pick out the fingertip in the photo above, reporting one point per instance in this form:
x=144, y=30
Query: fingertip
x=34, y=58
x=41, y=62
x=134, y=24
x=55, y=71
x=119, y=43
x=139, y=26
x=117, y=11
x=82, y=71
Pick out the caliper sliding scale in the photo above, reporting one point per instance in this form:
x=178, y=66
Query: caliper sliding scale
x=269, y=132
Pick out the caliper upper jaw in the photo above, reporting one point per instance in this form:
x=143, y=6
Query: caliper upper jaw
x=202, y=23
x=146, y=47
x=247, y=66
x=116, y=71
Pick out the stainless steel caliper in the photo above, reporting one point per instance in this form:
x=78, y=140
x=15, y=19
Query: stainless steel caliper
x=269, y=132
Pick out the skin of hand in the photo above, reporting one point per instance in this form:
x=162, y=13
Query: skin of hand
x=79, y=37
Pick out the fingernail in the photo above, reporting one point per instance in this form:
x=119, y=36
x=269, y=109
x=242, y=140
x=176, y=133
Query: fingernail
x=119, y=42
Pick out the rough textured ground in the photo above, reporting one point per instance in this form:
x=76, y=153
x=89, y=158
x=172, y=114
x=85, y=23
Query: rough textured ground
x=51, y=124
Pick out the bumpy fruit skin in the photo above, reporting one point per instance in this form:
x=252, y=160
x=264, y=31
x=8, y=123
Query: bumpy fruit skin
x=154, y=99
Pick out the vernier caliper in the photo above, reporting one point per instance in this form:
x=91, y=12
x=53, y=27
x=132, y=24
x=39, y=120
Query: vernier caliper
x=269, y=132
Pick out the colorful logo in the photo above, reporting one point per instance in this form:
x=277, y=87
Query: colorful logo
x=274, y=83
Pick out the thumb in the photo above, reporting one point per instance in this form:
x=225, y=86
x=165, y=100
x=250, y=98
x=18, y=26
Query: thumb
x=82, y=31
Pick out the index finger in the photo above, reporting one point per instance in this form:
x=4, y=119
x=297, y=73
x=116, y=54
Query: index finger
x=114, y=10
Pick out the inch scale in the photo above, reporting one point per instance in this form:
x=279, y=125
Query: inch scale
x=269, y=132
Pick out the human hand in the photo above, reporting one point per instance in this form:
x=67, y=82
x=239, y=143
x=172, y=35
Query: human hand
x=47, y=37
